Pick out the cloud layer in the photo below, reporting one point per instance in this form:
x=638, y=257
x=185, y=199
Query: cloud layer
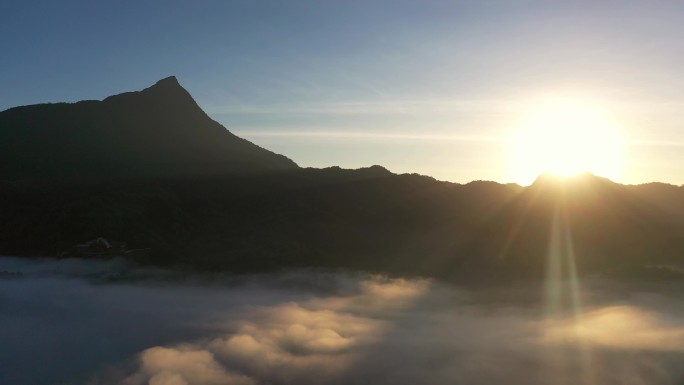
x=323, y=328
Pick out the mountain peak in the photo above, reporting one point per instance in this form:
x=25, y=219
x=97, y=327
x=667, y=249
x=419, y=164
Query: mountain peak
x=167, y=89
x=167, y=81
x=166, y=84
x=551, y=179
x=582, y=188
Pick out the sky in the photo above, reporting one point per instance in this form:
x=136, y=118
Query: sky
x=432, y=87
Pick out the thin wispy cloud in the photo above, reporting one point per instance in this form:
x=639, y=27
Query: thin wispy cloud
x=368, y=136
x=375, y=107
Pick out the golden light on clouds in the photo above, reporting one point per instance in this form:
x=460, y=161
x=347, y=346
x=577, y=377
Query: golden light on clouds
x=289, y=343
x=566, y=137
x=619, y=327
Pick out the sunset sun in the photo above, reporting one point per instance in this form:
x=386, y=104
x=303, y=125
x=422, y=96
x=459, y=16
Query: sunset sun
x=565, y=138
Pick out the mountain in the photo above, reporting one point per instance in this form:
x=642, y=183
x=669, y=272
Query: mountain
x=597, y=224
x=150, y=169
x=368, y=219
x=157, y=132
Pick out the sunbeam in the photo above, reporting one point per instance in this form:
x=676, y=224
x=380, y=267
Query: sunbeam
x=563, y=292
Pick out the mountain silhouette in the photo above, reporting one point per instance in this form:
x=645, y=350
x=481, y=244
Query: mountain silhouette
x=157, y=132
x=150, y=169
x=606, y=226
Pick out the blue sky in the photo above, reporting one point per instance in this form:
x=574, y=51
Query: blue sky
x=432, y=87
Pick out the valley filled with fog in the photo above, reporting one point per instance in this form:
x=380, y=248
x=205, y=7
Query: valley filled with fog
x=105, y=322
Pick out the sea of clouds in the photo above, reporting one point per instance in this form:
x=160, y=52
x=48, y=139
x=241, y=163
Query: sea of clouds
x=104, y=322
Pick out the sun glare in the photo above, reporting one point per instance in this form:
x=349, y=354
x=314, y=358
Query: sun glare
x=566, y=138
